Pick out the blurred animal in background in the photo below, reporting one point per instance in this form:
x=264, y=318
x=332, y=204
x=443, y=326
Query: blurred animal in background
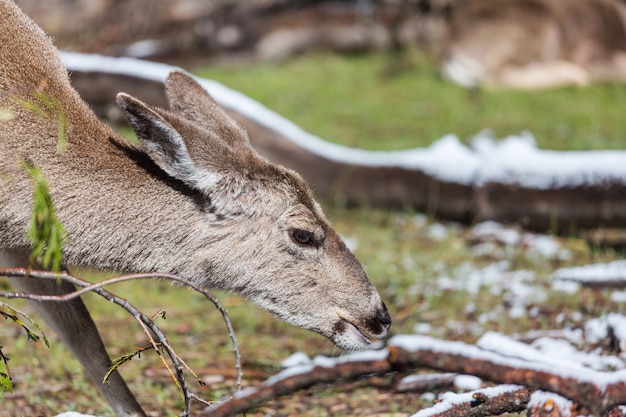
x=535, y=44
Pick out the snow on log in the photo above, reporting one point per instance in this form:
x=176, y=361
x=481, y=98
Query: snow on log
x=425, y=382
x=321, y=370
x=509, y=181
x=547, y=403
x=612, y=274
x=490, y=401
x=597, y=391
x=496, y=358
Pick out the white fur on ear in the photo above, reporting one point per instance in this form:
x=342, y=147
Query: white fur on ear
x=164, y=145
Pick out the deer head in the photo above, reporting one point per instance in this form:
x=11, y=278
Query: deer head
x=263, y=235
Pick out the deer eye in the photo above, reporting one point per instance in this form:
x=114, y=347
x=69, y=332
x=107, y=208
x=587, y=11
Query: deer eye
x=303, y=237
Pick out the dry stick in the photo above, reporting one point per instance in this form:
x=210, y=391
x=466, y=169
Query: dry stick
x=143, y=320
x=480, y=403
x=290, y=380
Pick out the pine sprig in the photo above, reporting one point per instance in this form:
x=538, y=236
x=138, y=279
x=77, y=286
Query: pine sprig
x=45, y=232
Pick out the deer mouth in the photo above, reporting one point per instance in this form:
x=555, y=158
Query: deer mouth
x=350, y=336
x=358, y=334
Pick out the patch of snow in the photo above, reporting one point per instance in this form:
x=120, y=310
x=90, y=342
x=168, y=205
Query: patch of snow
x=296, y=359
x=568, y=287
x=325, y=362
x=424, y=328
x=488, y=235
x=598, y=329
x=144, y=48
x=467, y=382
x=428, y=397
x=450, y=399
x=437, y=232
x=541, y=245
x=564, y=350
x=286, y=373
x=516, y=160
x=420, y=220
x=540, y=399
x=618, y=296
x=494, y=231
x=517, y=311
x=488, y=249
x=615, y=270
x=414, y=343
x=549, y=351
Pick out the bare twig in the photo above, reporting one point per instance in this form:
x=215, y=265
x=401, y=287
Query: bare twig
x=145, y=322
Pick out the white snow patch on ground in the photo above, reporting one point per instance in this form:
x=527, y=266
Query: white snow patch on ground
x=437, y=232
x=598, y=329
x=467, y=382
x=618, y=296
x=519, y=288
x=494, y=231
x=487, y=235
x=568, y=287
x=423, y=328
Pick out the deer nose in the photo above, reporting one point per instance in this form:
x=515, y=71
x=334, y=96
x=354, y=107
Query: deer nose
x=384, y=319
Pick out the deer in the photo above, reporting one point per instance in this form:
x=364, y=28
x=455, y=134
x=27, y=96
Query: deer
x=191, y=198
x=533, y=44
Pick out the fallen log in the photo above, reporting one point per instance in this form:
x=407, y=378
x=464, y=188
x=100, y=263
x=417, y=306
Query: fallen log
x=510, y=181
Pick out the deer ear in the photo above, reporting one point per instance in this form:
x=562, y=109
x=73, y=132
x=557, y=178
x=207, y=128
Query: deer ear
x=190, y=100
x=164, y=144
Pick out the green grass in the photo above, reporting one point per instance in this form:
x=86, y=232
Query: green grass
x=348, y=100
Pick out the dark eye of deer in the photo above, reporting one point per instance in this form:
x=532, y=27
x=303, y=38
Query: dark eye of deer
x=303, y=237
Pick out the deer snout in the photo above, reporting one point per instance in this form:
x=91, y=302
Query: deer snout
x=379, y=326
x=384, y=319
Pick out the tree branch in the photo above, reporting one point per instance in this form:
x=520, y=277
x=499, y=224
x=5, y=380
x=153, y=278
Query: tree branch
x=491, y=401
x=595, y=390
x=296, y=378
x=147, y=324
